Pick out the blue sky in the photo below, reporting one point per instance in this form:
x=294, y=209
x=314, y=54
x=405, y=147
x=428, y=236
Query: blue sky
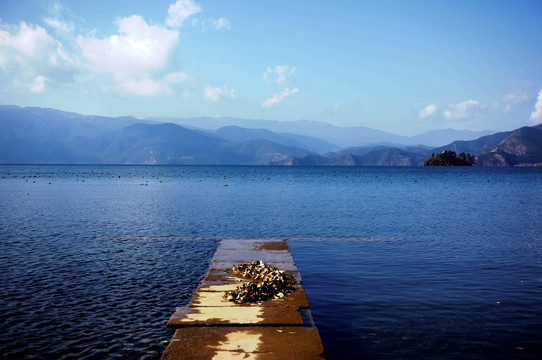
x=399, y=66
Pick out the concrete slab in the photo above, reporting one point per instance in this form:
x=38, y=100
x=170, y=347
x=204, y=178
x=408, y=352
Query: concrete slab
x=244, y=256
x=224, y=265
x=273, y=245
x=212, y=328
x=220, y=286
x=234, y=316
x=261, y=343
x=297, y=299
x=253, y=244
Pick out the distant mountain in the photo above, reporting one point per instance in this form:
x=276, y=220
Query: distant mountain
x=162, y=144
x=34, y=135
x=522, y=147
x=477, y=146
x=263, y=152
x=239, y=134
x=510, y=148
x=363, y=150
x=338, y=136
x=440, y=137
x=379, y=156
x=514, y=148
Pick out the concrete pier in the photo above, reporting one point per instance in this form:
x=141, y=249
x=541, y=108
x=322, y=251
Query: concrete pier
x=213, y=328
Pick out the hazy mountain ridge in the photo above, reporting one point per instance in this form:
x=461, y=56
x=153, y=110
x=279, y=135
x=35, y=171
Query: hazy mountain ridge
x=521, y=147
x=35, y=135
x=339, y=136
x=239, y=134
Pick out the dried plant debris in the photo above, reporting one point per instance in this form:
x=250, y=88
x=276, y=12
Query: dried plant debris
x=268, y=283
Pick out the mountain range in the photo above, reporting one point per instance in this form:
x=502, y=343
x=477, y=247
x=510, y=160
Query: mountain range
x=340, y=137
x=40, y=136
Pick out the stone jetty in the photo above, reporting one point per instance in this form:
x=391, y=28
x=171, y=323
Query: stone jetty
x=211, y=327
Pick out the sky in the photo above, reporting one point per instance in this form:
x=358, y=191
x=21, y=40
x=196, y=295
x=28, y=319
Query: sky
x=403, y=66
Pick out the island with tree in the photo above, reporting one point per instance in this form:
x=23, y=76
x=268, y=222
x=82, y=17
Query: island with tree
x=450, y=158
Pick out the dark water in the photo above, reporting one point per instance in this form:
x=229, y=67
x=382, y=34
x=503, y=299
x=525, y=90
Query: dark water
x=411, y=263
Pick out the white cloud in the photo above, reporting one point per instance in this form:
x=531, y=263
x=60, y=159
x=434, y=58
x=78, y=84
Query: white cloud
x=135, y=57
x=29, y=56
x=428, y=111
x=536, y=115
x=277, y=98
x=279, y=74
x=216, y=93
x=180, y=11
x=28, y=41
x=143, y=87
x=138, y=47
x=148, y=86
x=462, y=110
x=38, y=85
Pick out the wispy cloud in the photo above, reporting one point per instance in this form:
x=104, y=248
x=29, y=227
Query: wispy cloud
x=279, y=74
x=536, y=115
x=55, y=8
x=428, y=111
x=512, y=99
x=212, y=24
x=214, y=94
x=277, y=98
x=57, y=19
x=180, y=11
x=462, y=110
x=59, y=25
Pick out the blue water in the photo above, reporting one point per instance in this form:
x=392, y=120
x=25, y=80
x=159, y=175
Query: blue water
x=397, y=263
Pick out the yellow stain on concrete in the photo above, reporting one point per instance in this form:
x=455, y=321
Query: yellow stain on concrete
x=238, y=345
x=207, y=298
x=239, y=315
x=221, y=288
x=229, y=355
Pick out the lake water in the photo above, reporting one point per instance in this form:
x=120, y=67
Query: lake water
x=397, y=263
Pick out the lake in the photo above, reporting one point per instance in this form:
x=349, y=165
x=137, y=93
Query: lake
x=397, y=263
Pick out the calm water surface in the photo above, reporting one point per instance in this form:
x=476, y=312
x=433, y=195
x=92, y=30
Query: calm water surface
x=398, y=263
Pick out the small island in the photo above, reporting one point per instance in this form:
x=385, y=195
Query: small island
x=450, y=158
